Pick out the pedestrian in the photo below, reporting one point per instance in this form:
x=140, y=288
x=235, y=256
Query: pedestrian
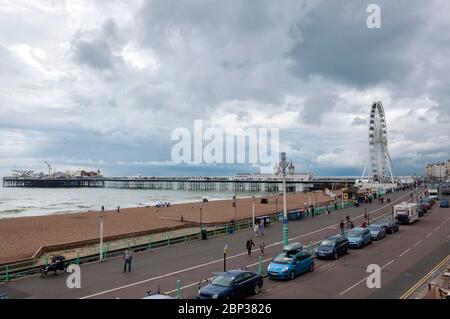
x=352, y=225
x=182, y=218
x=261, y=248
x=363, y=225
x=261, y=228
x=341, y=226
x=335, y=206
x=118, y=209
x=348, y=219
x=127, y=257
x=103, y=209
x=249, y=245
x=312, y=211
x=365, y=213
x=256, y=229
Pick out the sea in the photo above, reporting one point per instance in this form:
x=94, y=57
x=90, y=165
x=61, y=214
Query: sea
x=23, y=202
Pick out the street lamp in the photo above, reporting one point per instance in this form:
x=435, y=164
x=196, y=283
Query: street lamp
x=101, y=236
x=281, y=169
x=201, y=219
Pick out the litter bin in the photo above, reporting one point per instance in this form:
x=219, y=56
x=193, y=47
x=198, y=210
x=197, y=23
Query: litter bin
x=204, y=234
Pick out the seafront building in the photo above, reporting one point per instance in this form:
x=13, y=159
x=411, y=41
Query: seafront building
x=439, y=171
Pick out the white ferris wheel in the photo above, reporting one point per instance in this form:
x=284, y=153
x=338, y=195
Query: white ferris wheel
x=380, y=164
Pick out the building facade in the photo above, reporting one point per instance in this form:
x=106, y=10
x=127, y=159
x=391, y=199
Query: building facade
x=438, y=171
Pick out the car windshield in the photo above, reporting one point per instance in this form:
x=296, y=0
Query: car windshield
x=283, y=259
x=222, y=281
x=327, y=242
x=354, y=233
x=373, y=227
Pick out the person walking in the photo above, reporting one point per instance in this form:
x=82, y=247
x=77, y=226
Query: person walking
x=352, y=225
x=365, y=213
x=261, y=227
x=261, y=248
x=348, y=219
x=118, y=209
x=103, y=209
x=249, y=245
x=256, y=229
x=341, y=226
x=127, y=257
x=335, y=206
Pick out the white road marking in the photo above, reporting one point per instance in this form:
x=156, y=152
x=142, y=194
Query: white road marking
x=418, y=243
x=404, y=252
x=231, y=257
x=428, y=235
x=437, y=228
x=365, y=278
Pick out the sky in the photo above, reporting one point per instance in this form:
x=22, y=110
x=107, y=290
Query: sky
x=103, y=84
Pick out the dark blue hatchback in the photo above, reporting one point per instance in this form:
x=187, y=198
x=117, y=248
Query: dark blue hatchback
x=232, y=284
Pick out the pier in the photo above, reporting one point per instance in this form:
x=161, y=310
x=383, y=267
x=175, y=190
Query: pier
x=243, y=183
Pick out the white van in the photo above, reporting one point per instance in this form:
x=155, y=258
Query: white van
x=406, y=213
x=433, y=193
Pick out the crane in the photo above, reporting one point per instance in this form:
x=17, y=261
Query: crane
x=49, y=168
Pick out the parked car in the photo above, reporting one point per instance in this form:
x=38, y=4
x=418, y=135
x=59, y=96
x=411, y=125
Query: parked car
x=332, y=247
x=444, y=204
x=377, y=232
x=289, y=264
x=421, y=209
x=231, y=285
x=389, y=227
x=427, y=206
x=359, y=237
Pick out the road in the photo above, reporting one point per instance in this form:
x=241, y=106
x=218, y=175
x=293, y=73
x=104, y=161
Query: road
x=398, y=254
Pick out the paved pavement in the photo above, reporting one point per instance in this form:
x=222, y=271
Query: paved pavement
x=194, y=261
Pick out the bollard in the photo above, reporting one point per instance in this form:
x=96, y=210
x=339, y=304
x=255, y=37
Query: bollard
x=260, y=265
x=78, y=258
x=178, y=289
x=149, y=243
x=214, y=233
x=238, y=226
x=185, y=237
x=46, y=261
x=168, y=240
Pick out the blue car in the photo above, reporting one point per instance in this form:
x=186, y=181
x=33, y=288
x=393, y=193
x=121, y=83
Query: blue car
x=233, y=284
x=377, y=232
x=359, y=237
x=444, y=204
x=290, y=263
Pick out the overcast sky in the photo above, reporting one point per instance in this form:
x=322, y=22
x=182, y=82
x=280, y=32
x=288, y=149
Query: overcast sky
x=102, y=84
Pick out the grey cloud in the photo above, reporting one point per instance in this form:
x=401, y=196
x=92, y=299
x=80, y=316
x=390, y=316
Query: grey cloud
x=359, y=121
x=316, y=106
x=335, y=42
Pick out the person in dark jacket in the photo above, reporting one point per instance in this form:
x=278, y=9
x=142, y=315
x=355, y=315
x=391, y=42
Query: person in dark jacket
x=249, y=245
x=341, y=226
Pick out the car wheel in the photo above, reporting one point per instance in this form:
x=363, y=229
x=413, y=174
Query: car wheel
x=256, y=290
x=311, y=268
x=292, y=275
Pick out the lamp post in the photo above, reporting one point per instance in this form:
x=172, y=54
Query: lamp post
x=101, y=236
x=253, y=211
x=225, y=251
x=201, y=220
x=281, y=169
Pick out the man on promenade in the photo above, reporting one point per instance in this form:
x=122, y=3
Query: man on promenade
x=249, y=245
x=256, y=229
x=261, y=227
x=118, y=209
x=127, y=257
x=341, y=226
x=103, y=209
x=261, y=248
